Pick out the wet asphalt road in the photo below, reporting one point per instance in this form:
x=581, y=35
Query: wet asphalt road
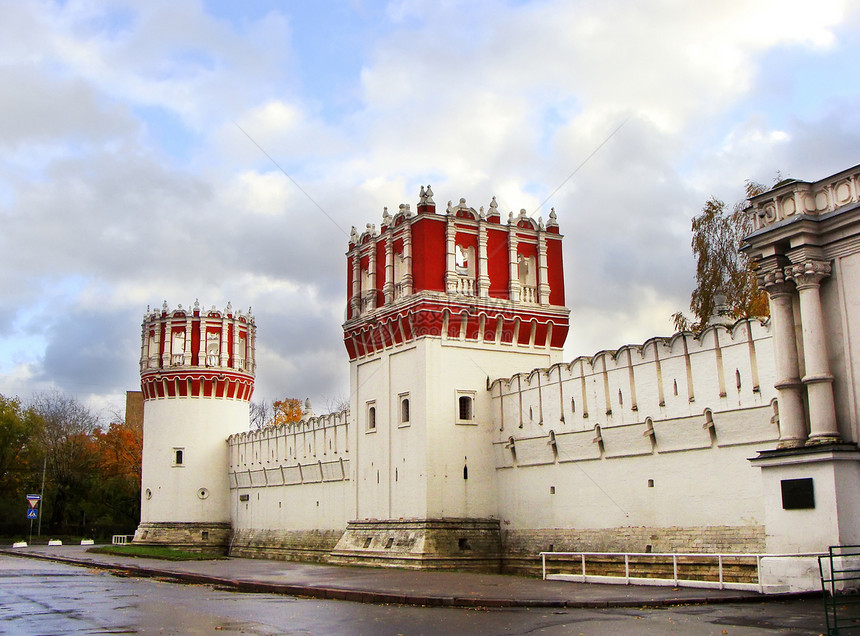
x=38, y=597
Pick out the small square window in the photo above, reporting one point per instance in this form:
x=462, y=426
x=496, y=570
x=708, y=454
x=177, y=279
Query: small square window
x=178, y=456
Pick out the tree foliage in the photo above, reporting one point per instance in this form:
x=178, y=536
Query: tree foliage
x=260, y=414
x=66, y=443
x=19, y=431
x=267, y=414
x=92, y=471
x=721, y=268
x=286, y=411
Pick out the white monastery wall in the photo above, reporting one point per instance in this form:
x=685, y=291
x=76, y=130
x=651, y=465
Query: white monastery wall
x=291, y=477
x=618, y=440
x=601, y=442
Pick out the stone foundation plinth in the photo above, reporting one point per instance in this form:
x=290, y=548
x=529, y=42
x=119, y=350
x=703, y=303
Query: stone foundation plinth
x=460, y=544
x=285, y=545
x=195, y=537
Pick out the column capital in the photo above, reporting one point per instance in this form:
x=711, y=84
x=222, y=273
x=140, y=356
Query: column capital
x=775, y=283
x=808, y=274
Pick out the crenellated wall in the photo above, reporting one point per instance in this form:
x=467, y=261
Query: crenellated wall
x=648, y=444
x=592, y=454
x=719, y=369
x=289, y=488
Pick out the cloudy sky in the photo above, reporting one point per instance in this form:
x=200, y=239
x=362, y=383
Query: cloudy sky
x=131, y=168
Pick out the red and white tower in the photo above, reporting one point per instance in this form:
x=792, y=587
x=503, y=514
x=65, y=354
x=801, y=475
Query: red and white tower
x=197, y=377
x=438, y=304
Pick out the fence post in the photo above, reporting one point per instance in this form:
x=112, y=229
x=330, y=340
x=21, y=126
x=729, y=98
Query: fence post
x=543, y=564
x=627, y=568
x=675, y=568
x=758, y=573
x=583, y=566
x=720, y=563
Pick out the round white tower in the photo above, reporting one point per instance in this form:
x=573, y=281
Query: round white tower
x=197, y=377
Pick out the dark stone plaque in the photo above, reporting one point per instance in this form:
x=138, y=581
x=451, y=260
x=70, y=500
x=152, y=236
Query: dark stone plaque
x=797, y=494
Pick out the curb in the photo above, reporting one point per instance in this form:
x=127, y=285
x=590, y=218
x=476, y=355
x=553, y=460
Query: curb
x=365, y=596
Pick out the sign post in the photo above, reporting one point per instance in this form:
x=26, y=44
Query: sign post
x=33, y=511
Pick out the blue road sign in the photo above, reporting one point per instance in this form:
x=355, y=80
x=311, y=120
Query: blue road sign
x=32, y=514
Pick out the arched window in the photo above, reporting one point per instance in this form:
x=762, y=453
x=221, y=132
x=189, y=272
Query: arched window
x=404, y=409
x=371, y=416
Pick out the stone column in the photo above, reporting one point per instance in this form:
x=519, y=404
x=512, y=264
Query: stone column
x=225, y=353
x=792, y=420
x=234, y=363
x=388, y=286
x=355, y=301
x=371, y=275
x=201, y=342
x=482, y=269
x=450, y=257
x=513, y=265
x=818, y=379
x=144, y=344
x=406, y=281
x=168, y=336
x=187, y=353
x=543, y=270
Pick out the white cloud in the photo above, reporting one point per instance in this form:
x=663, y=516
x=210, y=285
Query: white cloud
x=123, y=171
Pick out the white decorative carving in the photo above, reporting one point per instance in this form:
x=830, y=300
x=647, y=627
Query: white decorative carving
x=794, y=197
x=213, y=349
x=178, y=348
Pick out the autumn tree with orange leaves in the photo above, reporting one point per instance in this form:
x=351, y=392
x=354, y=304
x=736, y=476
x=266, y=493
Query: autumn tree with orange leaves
x=721, y=268
x=286, y=411
x=92, y=471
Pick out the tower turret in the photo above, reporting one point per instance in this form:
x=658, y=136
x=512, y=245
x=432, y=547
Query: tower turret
x=197, y=378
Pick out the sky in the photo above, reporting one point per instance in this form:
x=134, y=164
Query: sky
x=222, y=150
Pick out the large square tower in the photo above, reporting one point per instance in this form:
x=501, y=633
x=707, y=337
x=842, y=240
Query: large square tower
x=439, y=304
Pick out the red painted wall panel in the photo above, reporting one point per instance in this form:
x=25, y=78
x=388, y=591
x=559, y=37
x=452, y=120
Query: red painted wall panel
x=555, y=272
x=195, y=341
x=428, y=253
x=472, y=327
x=497, y=262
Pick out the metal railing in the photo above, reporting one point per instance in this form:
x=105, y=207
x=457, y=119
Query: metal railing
x=840, y=582
x=734, y=559
x=122, y=539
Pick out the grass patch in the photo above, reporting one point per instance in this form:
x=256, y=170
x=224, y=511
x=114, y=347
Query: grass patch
x=154, y=552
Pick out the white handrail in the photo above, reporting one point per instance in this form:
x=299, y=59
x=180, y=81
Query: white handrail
x=675, y=580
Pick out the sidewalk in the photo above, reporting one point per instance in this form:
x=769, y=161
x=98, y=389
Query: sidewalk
x=385, y=585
